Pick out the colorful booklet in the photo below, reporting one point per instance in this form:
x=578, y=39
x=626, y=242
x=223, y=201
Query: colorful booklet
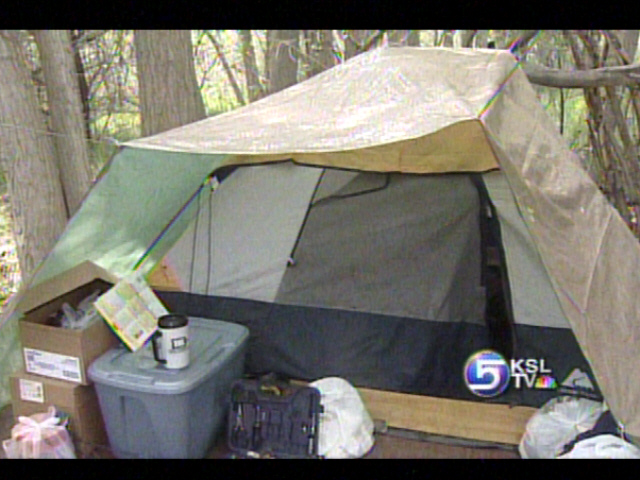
x=132, y=310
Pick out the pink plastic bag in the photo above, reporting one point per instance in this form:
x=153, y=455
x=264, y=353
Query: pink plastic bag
x=39, y=436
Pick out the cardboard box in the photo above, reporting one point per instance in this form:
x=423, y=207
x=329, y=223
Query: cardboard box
x=32, y=394
x=58, y=352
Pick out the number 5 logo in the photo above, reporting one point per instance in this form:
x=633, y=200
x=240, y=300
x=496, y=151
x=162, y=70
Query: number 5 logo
x=491, y=368
x=486, y=373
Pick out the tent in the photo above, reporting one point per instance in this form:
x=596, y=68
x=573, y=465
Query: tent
x=382, y=221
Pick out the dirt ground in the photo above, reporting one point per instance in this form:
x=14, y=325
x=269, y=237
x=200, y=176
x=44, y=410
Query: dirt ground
x=389, y=444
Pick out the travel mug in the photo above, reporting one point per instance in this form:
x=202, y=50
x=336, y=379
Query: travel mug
x=171, y=341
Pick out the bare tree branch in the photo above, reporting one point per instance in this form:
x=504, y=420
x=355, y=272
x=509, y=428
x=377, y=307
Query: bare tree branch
x=371, y=42
x=86, y=36
x=519, y=47
x=255, y=89
x=627, y=58
x=624, y=42
x=628, y=75
x=283, y=59
x=225, y=64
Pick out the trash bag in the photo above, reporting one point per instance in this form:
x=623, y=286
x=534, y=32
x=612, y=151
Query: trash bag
x=345, y=428
x=606, y=425
x=39, y=436
x=556, y=423
x=603, y=446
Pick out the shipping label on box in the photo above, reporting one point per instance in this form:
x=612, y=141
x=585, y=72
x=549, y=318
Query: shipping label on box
x=31, y=391
x=52, y=365
x=31, y=394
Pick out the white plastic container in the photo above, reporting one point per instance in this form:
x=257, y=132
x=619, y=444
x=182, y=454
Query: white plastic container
x=154, y=412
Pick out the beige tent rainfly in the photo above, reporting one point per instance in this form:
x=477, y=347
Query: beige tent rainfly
x=358, y=221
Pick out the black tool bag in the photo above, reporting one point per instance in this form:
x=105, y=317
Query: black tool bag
x=273, y=419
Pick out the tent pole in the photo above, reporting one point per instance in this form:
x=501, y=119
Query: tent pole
x=291, y=262
x=193, y=246
x=166, y=228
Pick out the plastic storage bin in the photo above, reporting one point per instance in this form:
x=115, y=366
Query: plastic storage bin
x=153, y=412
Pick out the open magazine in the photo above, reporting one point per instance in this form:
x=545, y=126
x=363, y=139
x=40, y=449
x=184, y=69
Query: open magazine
x=132, y=310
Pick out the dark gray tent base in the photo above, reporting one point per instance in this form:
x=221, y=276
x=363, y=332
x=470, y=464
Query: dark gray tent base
x=379, y=351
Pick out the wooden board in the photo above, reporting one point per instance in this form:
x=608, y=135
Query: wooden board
x=480, y=421
x=455, y=418
x=163, y=277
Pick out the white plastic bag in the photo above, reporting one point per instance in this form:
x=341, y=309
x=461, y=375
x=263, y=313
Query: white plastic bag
x=603, y=446
x=558, y=422
x=39, y=436
x=346, y=428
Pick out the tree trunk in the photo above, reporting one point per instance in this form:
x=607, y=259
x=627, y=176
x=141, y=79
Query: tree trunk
x=65, y=108
x=398, y=38
x=252, y=74
x=463, y=38
x=76, y=35
x=168, y=89
x=414, y=38
x=481, y=39
x=27, y=157
x=320, y=53
x=354, y=42
x=447, y=38
x=282, y=53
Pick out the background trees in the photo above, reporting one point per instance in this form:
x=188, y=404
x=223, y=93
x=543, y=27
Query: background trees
x=168, y=89
x=602, y=118
x=281, y=61
x=28, y=159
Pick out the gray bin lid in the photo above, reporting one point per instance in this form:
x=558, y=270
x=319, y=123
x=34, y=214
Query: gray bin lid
x=211, y=343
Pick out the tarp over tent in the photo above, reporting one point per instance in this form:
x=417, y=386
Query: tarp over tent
x=404, y=110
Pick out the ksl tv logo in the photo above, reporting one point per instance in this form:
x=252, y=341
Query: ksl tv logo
x=488, y=374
